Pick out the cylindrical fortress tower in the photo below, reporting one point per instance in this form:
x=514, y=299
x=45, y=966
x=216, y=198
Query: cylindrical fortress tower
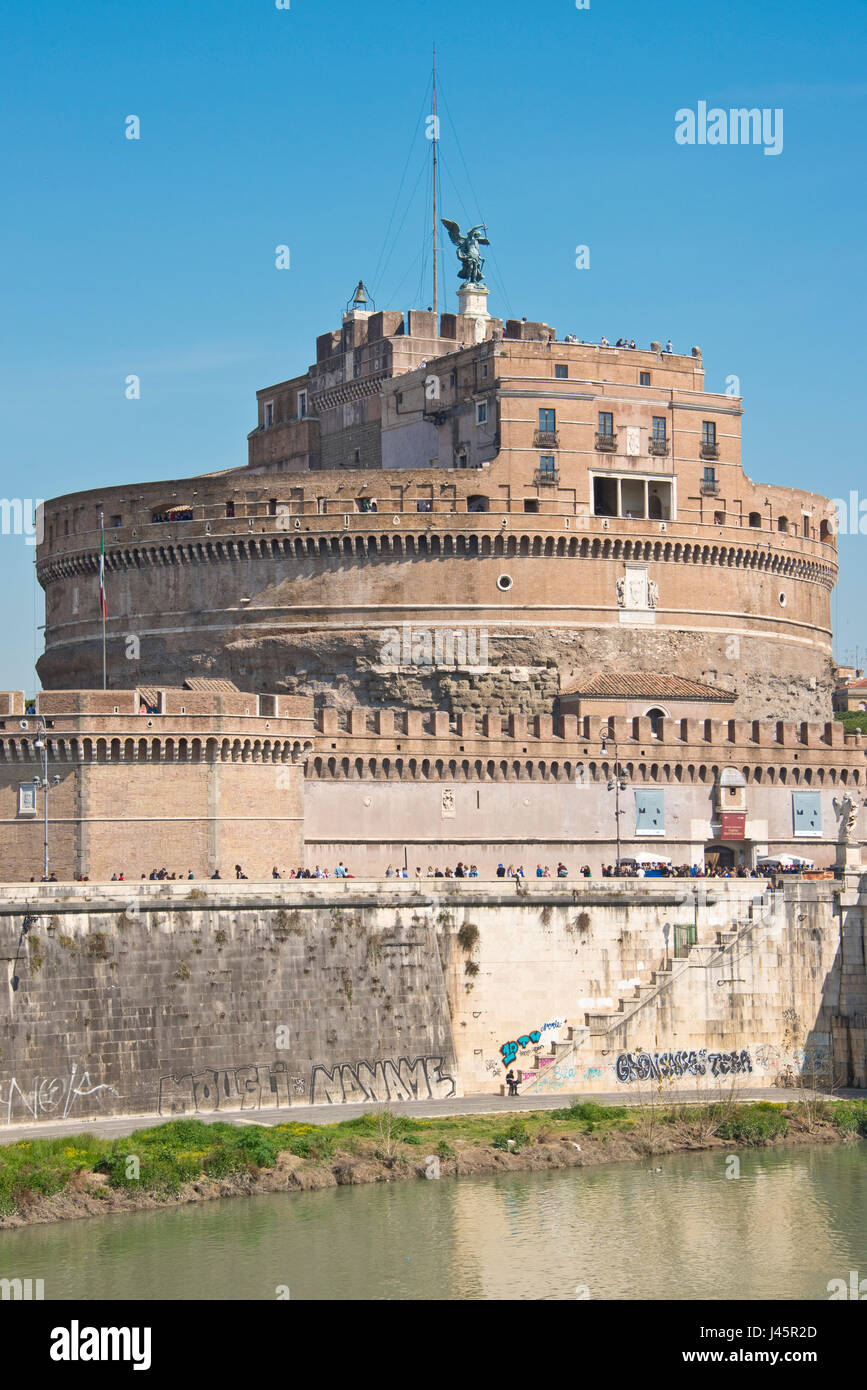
x=579, y=510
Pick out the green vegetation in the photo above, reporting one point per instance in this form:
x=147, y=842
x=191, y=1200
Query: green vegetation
x=855, y=721
x=589, y=1115
x=468, y=936
x=159, y=1161
x=755, y=1125
x=851, y=1116
x=513, y=1139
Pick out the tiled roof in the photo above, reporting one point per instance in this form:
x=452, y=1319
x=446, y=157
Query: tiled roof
x=644, y=685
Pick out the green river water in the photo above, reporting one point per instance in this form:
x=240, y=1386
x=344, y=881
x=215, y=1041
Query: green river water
x=792, y=1221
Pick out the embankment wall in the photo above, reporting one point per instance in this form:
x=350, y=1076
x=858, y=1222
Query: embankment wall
x=191, y=1000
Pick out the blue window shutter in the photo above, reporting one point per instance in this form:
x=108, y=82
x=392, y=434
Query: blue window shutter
x=650, y=812
x=807, y=813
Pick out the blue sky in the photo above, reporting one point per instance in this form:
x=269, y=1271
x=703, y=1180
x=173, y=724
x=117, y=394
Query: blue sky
x=262, y=126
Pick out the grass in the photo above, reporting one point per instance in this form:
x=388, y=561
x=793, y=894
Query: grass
x=161, y=1160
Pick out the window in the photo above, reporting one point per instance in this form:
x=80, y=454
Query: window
x=782, y=523
x=117, y=521
x=650, y=813
x=633, y=497
x=484, y=369
x=272, y=506
x=708, y=432
x=547, y=463
x=481, y=412
x=606, y=422
x=399, y=398
x=709, y=474
x=302, y=405
x=357, y=456
x=755, y=519
x=644, y=378
x=719, y=518
x=547, y=421
x=807, y=813
x=659, y=428
x=656, y=716
x=531, y=504
x=230, y=509
x=269, y=414
x=561, y=372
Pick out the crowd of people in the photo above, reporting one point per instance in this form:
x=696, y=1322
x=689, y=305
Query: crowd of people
x=625, y=869
x=603, y=342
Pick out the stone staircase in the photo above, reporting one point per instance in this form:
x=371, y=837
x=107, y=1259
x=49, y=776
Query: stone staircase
x=559, y=1059
x=561, y=1064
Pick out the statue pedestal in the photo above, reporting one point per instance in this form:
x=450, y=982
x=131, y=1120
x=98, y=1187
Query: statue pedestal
x=473, y=301
x=848, y=859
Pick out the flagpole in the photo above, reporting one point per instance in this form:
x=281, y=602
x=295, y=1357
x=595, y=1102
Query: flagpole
x=102, y=604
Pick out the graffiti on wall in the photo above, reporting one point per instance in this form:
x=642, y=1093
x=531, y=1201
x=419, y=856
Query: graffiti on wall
x=422, y=1079
x=258, y=1087
x=662, y=1066
x=789, y=1066
x=509, y=1050
x=231, y=1088
x=54, y=1096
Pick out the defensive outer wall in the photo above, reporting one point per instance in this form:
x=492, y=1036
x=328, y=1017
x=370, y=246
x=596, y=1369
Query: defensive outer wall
x=210, y=779
x=182, y=999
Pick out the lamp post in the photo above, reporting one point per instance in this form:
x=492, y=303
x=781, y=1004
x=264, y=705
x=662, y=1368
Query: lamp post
x=615, y=784
x=42, y=745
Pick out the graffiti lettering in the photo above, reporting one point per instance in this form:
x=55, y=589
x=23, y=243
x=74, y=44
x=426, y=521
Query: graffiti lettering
x=661, y=1066
x=510, y=1049
x=233, y=1088
x=422, y=1079
x=49, y=1095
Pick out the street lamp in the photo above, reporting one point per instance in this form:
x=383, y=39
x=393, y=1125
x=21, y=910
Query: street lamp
x=42, y=745
x=617, y=784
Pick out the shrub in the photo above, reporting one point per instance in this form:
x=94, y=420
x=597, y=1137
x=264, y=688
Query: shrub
x=468, y=936
x=755, y=1125
x=589, y=1113
x=851, y=1117
x=516, y=1133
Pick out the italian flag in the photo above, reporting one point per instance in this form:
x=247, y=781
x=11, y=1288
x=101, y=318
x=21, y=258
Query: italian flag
x=102, y=603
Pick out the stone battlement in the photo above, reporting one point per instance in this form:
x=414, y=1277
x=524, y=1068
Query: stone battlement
x=384, y=727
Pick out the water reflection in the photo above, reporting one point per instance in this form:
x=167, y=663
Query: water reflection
x=789, y=1223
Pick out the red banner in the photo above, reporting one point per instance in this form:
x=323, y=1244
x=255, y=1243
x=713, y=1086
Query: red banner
x=734, y=825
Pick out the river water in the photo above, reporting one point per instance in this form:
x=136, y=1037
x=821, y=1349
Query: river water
x=789, y=1223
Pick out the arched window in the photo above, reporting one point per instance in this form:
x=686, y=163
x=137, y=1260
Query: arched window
x=755, y=519
x=782, y=523
x=656, y=715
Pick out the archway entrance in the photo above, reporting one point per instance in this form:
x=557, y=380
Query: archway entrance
x=719, y=857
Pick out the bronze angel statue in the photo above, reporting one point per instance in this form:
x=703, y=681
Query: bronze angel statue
x=472, y=263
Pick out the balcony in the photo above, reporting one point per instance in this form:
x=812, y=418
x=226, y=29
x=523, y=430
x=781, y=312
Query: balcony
x=546, y=439
x=547, y=475
x=709, y=487
x=710, y=451
x=658, y=446
x=606, y=443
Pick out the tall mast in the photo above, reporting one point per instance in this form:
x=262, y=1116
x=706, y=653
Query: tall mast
x=435, y=134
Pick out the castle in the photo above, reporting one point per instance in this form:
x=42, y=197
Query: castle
x=470, y=575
